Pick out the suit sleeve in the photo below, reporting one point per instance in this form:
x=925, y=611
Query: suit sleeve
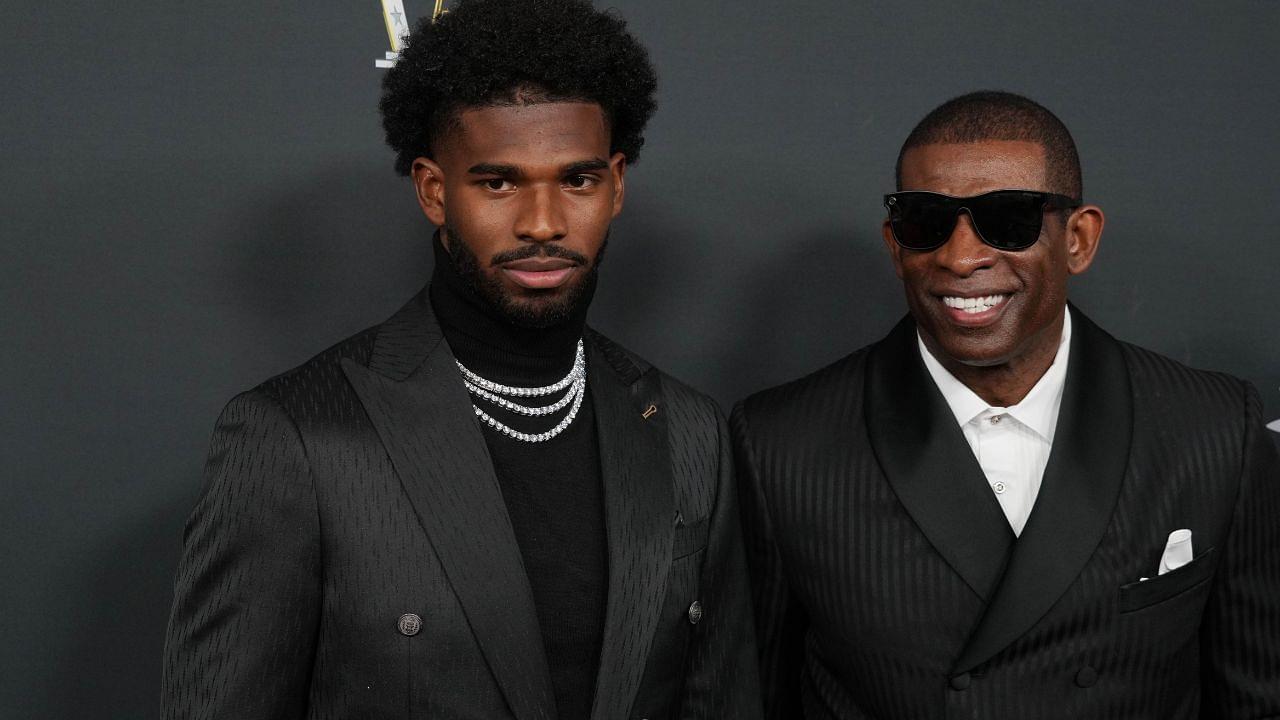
x=1240, y=638
x=721, y=680
x=780, y=621
x=241, y=635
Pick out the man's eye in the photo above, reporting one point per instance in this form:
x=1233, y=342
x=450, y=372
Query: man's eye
x=579, y=181
x=497, y=184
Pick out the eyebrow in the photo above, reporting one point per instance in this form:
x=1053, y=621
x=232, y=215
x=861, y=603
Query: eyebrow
x=507, y=171
x=585, y=165
x=511, y=171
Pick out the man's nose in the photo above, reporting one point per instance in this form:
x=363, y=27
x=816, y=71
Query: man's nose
x=964, y=251
x=542, y=217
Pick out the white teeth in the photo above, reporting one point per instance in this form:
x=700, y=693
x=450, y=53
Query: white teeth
x=976, y=305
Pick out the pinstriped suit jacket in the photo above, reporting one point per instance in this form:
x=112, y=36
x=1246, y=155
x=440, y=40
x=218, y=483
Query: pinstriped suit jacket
x=358, y=488
x=888, y=584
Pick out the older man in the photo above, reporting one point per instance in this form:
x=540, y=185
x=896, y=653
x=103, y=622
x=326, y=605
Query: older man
x=999, y=510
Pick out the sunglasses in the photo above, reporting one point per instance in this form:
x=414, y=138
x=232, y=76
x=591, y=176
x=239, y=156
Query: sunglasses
x=1004, y=219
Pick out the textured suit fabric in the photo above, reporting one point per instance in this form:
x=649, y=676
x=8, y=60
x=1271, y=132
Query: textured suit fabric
x=887, y=584
x=357, y=488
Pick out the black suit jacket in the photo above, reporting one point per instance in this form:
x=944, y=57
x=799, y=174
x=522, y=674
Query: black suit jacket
x=358, y=488
x=888, y=583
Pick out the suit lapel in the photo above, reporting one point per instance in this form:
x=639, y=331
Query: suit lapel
x=416, y=401
x=1077, y=495
x=926, y=459
x=639, y=516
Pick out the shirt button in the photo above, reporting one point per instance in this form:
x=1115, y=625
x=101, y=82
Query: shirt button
x=1087, y=677
x=995, y=419
x=960, y=682
x=695, y=612
x=998, y=486
x=409, y=624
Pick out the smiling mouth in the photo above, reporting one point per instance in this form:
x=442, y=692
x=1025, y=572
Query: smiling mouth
x=974, y=305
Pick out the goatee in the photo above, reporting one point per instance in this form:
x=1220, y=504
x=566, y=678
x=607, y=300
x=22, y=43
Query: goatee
x=536, y=314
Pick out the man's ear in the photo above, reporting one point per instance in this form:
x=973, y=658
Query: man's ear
x=895, y=250
x=428, y=183
x=618, y=168
x=1084, y=231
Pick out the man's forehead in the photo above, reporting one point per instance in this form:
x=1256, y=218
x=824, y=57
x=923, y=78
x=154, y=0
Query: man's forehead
x=972, y=168
x=547, y=131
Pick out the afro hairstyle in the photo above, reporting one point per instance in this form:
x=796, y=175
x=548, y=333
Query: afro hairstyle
x=484, y=53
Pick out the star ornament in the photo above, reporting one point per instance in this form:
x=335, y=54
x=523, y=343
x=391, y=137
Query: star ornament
x=397, y=29
x=394, y=17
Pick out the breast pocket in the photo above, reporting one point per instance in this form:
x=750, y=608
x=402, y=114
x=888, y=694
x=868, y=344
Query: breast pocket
x=689, y=539
x=1172, y=585
x=1162, y=615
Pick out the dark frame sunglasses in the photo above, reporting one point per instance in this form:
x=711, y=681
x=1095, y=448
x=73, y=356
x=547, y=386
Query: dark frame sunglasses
x=1003, y=219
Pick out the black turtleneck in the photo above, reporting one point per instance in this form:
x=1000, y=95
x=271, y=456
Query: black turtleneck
x=552, y=489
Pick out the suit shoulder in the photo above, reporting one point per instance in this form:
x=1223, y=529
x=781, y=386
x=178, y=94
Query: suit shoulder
x=321, y=376
x=1171, y=386
x=794, y=401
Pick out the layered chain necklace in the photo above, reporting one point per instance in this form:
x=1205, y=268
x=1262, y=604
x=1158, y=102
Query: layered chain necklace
x=574, y=384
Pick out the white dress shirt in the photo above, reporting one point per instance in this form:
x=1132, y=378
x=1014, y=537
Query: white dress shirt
x=1012, y=443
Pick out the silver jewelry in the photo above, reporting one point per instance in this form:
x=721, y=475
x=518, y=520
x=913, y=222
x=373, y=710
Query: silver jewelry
x=575, y=381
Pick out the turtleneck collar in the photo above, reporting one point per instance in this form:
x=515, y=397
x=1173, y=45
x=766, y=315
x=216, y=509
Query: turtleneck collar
x=489, y=344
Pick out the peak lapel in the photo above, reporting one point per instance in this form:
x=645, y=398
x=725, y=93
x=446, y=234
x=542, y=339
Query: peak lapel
x=924, y=455
x=1077, y=495
x=417, y=403
x=639, y=507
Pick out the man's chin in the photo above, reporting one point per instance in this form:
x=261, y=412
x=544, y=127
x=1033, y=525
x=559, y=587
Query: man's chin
x=974, y=347
x=539, y=309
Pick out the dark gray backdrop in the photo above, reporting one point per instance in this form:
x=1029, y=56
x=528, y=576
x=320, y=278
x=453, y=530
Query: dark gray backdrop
x=194, y=197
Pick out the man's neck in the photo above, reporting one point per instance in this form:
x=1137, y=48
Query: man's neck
x=1006, y=384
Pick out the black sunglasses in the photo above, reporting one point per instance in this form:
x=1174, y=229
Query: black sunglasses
x=1004, y=219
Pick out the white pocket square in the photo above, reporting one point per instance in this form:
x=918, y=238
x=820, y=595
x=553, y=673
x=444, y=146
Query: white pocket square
x=1177, y=551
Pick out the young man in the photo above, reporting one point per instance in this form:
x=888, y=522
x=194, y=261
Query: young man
x=480, y=508
x=986, y=514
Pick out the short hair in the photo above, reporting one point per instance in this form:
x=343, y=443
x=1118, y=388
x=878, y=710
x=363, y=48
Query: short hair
x=998, y=115
x=484, y=53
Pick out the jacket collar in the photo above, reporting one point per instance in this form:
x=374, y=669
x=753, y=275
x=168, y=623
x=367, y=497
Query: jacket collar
x=631, y=421
x=926, y=460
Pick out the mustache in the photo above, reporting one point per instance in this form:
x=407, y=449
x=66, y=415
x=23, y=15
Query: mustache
x=542, y=250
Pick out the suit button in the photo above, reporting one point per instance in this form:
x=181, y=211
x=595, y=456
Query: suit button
x=960, y=682
x=695, y=612
x=409, y=624
x=1087, y=677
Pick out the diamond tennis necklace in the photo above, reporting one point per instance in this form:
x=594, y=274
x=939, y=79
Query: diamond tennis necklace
x=575, y=383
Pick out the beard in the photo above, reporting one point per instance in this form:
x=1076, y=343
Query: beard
x=544, y=309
